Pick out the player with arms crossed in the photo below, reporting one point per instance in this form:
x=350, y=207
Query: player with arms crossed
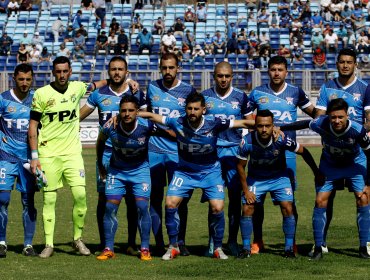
x=107, y=99
x=226, y=102
x=128, y=172
x=166, y=97
x=198, y=167
x=15, y=109
x=267, y=172
x=282, y=99
x=56, y=149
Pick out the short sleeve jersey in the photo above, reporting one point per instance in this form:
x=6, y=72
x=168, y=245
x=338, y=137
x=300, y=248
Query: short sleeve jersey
x=197, y=148
x=129, y=149
x=232, y=106
x=265, y=160
x=59, y=134
x=168, y=103
x=356, y=95
x=340, y=149
x=14, y=120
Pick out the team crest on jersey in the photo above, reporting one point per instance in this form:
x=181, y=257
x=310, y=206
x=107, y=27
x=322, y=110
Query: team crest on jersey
x=210, y=105
x=234, y=104
x=288, y=191
x=141, y=140
x=209, y=134
x=276, y=152
x=220, y=188
x=156, y=97
x=107, y=102
x=351, y=141
x=181, y=101
x=356, y=96
x=289, y=100
x=12, y=109
x=73, y=98
x=333, y=96
x=263, y=100
x=82, y=173
x=145, y=187
x=51, y=102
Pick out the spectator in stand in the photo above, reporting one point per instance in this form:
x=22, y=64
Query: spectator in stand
x=317, y=40
x=26, y=41
x=317, y=19
x=158, y=26
x=198, y=55
x=253, y=40
x=23, y=55
x=326, y=15
x=325, y=3
x=77, y=21
x=100, y=12
x=201, y=14
x=306, y=15
x=83, y=31
x=168, y=42
x=188, y=42
x=34, y=54
x=122, y=42
x=346, y=13
x=251, y=17
x=189, y=16
x=145, y=41
x=297, y=53
x=331, y=42
x=296, y=11
x=114, y=26
x=242, y=41
x=44, y=55
x=79, y=40
x=68, y=37
x=138, y=5
x=136, y=23
x=326, y=29
x=284, y=20
x=263, y=19
x=38, y=41
x=306, y=28
x=297, y=24
x=178, y=27
x=341, y=33
x=25, y=5
x=63, y=51
x=218, y=43
x=232, y=45
x=351, y=39
x=232, y=27
x=251, y=4
x=362, y=48
x=295, y=36
x=335, y=9
x=283, y=7
x=358, y=18
x=13, y=8
x=108, y=6
x=101, y=43
x=46, y=5
x=319, y=59
x=208, y=44
x=348, y=3
x=364, y=63
x=249, y=66
x=87, y=4
x=274, y=20
x=57, y=28
x=113, y=43
x=264, y=38
x=264, y=54
x=78, y=54
x=5, y=44
x=3, y=6
x=284, y=51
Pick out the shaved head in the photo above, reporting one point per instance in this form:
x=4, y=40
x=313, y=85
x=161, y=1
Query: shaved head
x=223, y=65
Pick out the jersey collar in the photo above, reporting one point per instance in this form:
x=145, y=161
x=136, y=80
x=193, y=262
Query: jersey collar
x=199, y=127
x=129, y=132
x=344, y=132
x=263, y=145
x=12, y=93
x=345, y=87
x=280, y=92
x=222, y=97
x=120, y=93
x=175, y=86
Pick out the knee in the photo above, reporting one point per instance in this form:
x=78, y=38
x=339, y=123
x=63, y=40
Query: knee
x=217, y=208
x=321, y=202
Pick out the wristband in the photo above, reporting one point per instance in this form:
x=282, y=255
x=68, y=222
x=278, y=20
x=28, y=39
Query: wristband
x=34, y=154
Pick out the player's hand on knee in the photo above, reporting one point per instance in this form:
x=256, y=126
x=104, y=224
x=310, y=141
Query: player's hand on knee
x=250, y=197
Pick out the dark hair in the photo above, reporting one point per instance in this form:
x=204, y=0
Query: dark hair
x=24, y=68
x=117, y=58
x=277, y=60
x=337, y=104
x=61, y=60
x=349, y=52
x=168, y=56
x=129, y=99
x=265, y=113
x=195, y=97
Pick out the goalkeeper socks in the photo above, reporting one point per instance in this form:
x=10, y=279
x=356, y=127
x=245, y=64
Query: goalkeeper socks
x=48, y=216
x=110, y=224
x=79, y=210
x=143, y=222
x=29, y=216
x=4, y=203
x=246, y=228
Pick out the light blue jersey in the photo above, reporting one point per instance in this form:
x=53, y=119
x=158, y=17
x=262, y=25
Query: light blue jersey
x=169, y=103
x=355, y=95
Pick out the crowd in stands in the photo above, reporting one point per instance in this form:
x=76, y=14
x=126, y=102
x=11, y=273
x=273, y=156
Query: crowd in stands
x=308, y=33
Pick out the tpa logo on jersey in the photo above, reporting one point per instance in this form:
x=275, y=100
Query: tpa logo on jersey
x=145, y=187
x=356, y=96
x=288, y=191
x=263, y=100
x=289, y=100
x=333, y=96
x=107, y=102
x=73, y=98
x=82, y=173
x=51, y=102
x=220, y=188
x=141, y=140
x=210, y=105
x=12, y=109
x=62, y=115
x=181, y=101
x=234, y=104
